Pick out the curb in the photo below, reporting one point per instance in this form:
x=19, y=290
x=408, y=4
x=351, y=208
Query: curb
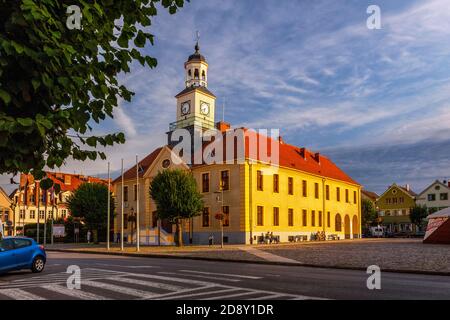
x=289, y=264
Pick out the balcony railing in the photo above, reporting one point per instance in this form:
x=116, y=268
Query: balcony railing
x=199, y=123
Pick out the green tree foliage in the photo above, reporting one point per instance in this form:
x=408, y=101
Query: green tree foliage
x=90, y=203
x=55, y=81
x=369, y=214
x=418, y=214
x=177, y=197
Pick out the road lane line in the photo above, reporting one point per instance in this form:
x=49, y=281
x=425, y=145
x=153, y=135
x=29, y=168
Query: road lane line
x=119, y=289
x=74, y=293
x=19, y=294
x=199, y=276
x=158, y=285
x=198, y=294
x=222, y=274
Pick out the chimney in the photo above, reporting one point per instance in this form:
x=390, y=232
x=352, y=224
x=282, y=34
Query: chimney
x=317, y=157
x=407, y=187
x=280, y=140
x=303, y=153
x=223, y=126
x=448, y=183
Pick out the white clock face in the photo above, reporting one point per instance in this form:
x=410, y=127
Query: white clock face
x=185, y=108
x=204, y=108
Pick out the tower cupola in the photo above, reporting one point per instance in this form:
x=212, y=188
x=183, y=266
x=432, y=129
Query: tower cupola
x=196, y=69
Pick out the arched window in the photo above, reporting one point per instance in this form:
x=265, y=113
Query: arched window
x=189, y=74
x=203, y=75
x=196, y=74
x=338, y=223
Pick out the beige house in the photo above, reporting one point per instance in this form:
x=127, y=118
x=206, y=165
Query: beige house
x=436, y=196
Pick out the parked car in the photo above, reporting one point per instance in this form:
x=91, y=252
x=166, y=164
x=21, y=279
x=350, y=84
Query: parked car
x=18, y=253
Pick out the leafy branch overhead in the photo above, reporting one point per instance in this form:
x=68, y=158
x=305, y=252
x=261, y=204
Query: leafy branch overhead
x=55, y=81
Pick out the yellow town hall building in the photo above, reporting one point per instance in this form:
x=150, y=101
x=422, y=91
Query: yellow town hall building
x=306, y=193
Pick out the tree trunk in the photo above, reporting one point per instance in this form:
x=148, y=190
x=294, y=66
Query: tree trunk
x=179, y=233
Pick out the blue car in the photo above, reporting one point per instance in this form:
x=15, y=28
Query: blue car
x=18, y=253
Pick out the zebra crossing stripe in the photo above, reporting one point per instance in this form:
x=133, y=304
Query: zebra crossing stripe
x=158, y=285
x=74, y=292
x=271, y=296
x=200, y=294
x=173, y=279
x=119, y=289
x=19, y=294
x=232, y=295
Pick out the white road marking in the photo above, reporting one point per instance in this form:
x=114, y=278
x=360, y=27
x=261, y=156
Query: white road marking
x=119, y=289
x=223, y=274
x=74, y=293
x=271, y=296
x=199, y=294
x=19, y=294
x=151, y=276
x=199, y=276
x=158, y=285
x=173, y=294
x=122, y=266
x=232, y=295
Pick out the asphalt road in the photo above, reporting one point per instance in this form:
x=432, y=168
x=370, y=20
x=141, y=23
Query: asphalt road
x=114, y=277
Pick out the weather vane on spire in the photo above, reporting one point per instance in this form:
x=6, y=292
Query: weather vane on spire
x=197, y=37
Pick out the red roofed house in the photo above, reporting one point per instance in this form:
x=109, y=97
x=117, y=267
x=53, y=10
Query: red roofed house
x=265, y=186
x=29, y=199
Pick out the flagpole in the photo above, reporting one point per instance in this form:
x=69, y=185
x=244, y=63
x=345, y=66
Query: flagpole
x=45, y=218
x=109, y=212
x=137, y=205
x=38, y=208
x=121, y=220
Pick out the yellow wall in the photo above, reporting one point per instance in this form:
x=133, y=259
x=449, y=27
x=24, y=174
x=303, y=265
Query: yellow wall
x=244, y=198
x=269, y=199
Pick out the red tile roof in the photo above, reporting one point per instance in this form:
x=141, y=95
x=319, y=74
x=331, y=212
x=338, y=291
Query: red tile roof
x=75, y=180
x=144, y=165
x=293, y=157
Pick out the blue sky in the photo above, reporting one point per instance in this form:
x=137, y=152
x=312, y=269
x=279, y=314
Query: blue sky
x=375, y=101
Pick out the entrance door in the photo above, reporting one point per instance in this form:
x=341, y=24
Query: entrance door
x=347, y=226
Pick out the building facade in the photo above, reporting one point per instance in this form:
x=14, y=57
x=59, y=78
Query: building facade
x=394, y=207
x=436, y=196
x=303, y=194
x=32, y=204
x=5, y=212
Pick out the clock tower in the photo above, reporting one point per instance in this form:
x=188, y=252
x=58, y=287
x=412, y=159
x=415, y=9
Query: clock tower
x=195, y=104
